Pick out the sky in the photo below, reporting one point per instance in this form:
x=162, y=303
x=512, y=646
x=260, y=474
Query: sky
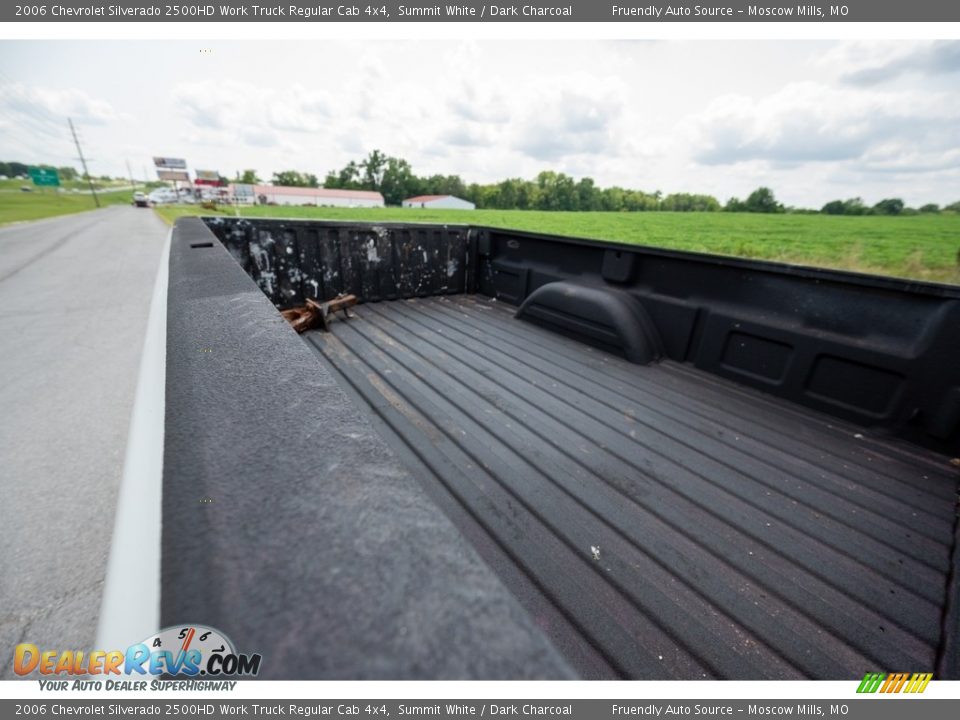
x=814, y=120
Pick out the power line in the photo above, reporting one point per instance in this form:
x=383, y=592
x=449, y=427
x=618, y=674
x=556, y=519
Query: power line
x=83, y=162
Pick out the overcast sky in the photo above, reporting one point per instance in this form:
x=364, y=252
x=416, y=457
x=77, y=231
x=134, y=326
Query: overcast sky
x=814, y=120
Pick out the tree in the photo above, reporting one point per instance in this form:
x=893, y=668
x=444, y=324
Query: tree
x=611, y=199
x=442, y=185
x=588, y=195
x=248, y=177
x=508, y=193
x=852, y=206
x=397, y=181
x=930, y=208
x=13, y=169
x=636, y=201
x=953, y=207
x=295, y=178
x=548, y=196
x=762, y=200
x=734, y=205
x=888, y=206
x=689, y=202
x=855, y=206
x=567, y=197
x=67, y=173
x=373, y=168
x=346, y=179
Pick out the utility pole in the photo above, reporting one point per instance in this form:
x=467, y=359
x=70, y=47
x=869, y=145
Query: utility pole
x=130, y=173
x=83, y=163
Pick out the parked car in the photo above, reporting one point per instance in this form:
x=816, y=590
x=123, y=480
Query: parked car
x=140, y=200
x=168, y=196
x=162, y=196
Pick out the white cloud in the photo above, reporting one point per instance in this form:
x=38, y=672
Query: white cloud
x=468, y=135
x=33, y=120
x=49, y=105
x=212, y=105
x=873, y=63
x=474, y=103
x=547, y=120
x=569, y=122
x=814, y=120
x=248, y=110
x=811, y=122
x=297, y=108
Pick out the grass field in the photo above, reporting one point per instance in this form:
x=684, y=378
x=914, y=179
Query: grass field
x=16, y=206
x=924, y=247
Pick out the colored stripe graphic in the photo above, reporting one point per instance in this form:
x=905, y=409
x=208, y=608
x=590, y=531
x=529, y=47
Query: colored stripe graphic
x=871, y=682
x=894, y=682
x=920, y=683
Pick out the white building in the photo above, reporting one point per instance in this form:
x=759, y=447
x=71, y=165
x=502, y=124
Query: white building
x=442, y=202
x=320, y=197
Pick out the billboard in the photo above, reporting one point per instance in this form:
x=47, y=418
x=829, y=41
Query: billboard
x=170, y=163
x=207, y=177
x=174, y=175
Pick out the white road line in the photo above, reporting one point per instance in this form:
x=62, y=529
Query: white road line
x=130, y=610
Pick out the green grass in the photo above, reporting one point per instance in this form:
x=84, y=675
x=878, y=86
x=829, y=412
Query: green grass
x=21, y=206
x=924, y=247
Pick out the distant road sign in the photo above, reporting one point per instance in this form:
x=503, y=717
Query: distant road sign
x=46, y=177
x=174, y=175
x=170, y=163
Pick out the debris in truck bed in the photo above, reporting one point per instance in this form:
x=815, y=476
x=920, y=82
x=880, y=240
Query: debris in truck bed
x=309, y=316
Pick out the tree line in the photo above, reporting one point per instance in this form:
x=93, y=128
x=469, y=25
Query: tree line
x=17, y=169
x=66, y=173
x=394, y=178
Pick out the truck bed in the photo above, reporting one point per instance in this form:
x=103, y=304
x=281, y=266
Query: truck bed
x=530, y=456
x=657, y=521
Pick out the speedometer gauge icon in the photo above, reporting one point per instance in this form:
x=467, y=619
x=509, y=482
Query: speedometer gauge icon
x=199, y=642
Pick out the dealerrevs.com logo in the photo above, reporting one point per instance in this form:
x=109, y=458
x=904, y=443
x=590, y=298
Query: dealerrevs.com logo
x=181, y=651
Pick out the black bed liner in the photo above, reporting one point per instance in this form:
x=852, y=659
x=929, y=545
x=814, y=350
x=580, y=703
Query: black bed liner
x=771, y=497
x=656, y=521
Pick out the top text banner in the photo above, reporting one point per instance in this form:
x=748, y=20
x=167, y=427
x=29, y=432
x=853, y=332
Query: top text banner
x=473, y=11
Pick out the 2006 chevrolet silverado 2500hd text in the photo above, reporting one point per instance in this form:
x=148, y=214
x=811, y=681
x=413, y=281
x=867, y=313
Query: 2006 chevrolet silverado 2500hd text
x=531, y=456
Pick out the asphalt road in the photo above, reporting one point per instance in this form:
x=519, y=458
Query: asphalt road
x=74, y=298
